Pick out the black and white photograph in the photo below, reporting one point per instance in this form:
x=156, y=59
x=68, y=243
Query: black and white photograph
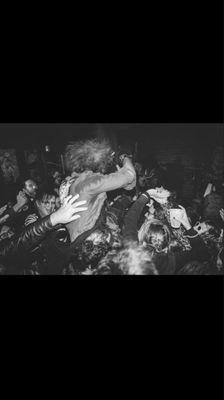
x=112, y=199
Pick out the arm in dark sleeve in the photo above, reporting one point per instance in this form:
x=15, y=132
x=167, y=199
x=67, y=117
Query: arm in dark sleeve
x=28, y=238
x=7, y=216
x=131, y=219
x=198, y=252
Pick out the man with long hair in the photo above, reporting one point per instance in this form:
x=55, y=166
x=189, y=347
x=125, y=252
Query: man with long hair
x=90, y=164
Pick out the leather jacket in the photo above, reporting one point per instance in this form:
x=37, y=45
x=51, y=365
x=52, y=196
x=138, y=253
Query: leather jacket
x=24, y=241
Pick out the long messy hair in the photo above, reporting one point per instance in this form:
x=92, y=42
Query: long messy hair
x=94, y=155
x=130, y=259
x=151, y=231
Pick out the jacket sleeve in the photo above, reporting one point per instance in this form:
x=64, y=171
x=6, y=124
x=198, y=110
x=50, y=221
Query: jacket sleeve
x=28, y=238
x=198, y=252
x=130, y=231
x=124, y=178
x=8, y=215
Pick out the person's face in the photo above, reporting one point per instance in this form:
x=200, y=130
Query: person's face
x=50, y=204
x=31, y=188
x=57, y=178
x=47, y=206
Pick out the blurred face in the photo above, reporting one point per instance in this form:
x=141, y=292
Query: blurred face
x=6, y=232
x=157, y=240
x=57, y=178
x=31, y=188
x=46, y=206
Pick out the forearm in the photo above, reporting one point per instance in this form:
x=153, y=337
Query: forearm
x=10, y=213
x=30, y=237
x=130, y=231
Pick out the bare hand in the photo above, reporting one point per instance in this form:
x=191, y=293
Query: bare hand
x=68, y=211
x=21, y=199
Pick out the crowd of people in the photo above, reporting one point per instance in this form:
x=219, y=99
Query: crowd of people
x=113, y=215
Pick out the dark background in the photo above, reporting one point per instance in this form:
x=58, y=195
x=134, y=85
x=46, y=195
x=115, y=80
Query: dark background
x=163, y=141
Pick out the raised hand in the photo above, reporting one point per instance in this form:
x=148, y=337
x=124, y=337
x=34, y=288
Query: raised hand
x=21, y=199
x=68, y=211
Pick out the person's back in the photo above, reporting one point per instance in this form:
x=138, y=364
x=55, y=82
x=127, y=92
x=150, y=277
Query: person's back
x=88, y=179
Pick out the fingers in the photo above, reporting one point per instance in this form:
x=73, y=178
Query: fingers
x=80, y=209
x=66, y=199
x=78, y=203
x=73, y=198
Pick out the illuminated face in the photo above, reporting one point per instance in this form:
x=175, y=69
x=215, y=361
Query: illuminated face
x=47, y=206
x=31, y=188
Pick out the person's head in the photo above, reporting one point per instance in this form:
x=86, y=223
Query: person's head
x=57, y=178
x=30, y=188
x=36, y=175
x=45, y=202
x=131, y=259
x=155, y=234
x=94, y=155
x=88, y=253
x=6, y=232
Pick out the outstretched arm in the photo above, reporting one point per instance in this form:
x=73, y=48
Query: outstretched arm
x=130, y=231
x=32, y=235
